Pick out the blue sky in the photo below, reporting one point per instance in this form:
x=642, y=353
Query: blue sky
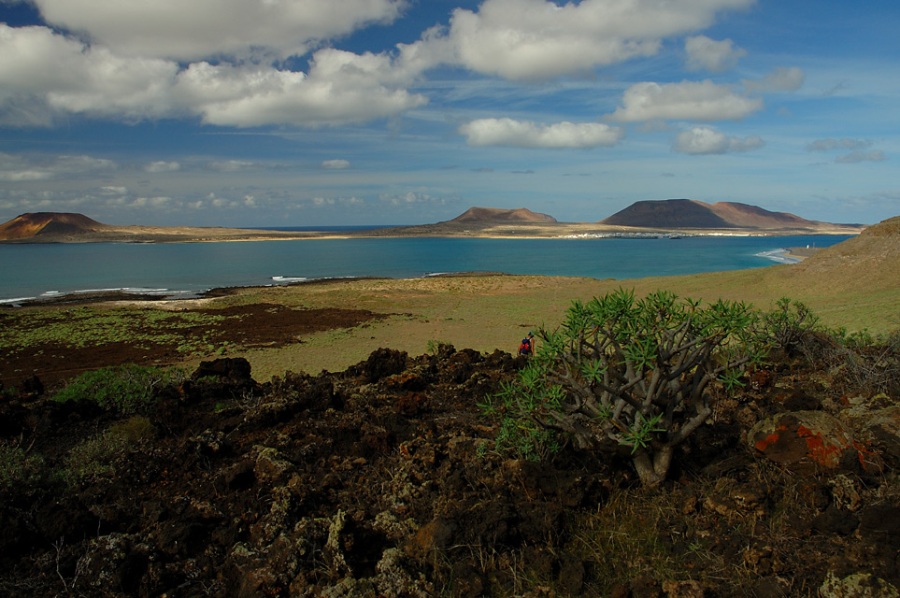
x=330, y=112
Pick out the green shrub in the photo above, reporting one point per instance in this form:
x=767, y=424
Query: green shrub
x=790, y=325
x=18, y=469
x=863, y=364
x=631, y=373
x=125, y=389
x=99, y=457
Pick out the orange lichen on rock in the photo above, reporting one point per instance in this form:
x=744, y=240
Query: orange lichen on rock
x=824, y=451
x=813, y=437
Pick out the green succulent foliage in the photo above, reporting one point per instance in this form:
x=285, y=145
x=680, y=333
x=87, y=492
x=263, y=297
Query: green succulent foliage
x=126, y=389
x=789, y=323
x=632, y=371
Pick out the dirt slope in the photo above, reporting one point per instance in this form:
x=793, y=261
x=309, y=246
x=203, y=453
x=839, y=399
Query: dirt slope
x=493, y=215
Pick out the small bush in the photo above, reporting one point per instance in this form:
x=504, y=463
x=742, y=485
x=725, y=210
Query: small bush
x=126, y=389
x=18, y=469
x=790, y=326
x=866, y=365
x=99, y=457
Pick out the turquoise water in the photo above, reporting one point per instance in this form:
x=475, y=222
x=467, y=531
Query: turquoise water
x=28, y=271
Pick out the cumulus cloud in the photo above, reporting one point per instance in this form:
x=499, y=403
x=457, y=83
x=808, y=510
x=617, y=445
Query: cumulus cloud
x=779, y=80
x=538, y=39
x=516, y=133
x=860, y=156
x=200, y=29
x=61, y=75
x=706, y=140
x=341, y=87
x=689, y=100
x=222, y=60
x=335, y=164
x=55, y=73
x=708, y=54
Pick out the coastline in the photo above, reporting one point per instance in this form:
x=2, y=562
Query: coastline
x=481, y=230
x=155, y=290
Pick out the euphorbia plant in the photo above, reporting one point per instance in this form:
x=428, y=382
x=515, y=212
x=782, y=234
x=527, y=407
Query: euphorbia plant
x=636, y=372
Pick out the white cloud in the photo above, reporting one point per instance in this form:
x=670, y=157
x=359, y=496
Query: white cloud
x=860, y=156
x=161, y=166
x=15, y=168
x=516, y=133
x=59, y=75
x=708, y=54
x=335, y=164
x=780, y=79
x=824, y=145
x=703, y=101
x=341, y=87
x=230, y=165
x=706, y=140
x=204, y=28
x=537, y=39
x=114, y=190
x=54, y=73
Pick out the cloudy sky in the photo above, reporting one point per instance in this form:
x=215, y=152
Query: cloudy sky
x=329, y=112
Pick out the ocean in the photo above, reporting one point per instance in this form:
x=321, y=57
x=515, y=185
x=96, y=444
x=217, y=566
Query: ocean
x=31, y=271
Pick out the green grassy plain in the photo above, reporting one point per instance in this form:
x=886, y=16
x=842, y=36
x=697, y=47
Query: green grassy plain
x=493, y=312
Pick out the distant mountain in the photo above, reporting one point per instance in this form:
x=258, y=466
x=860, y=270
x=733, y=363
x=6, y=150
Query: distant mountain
x=48, y=224
x=689, y=213
x=62, y=227
x=496, y=215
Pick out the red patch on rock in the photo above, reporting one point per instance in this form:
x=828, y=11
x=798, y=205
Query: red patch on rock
x=810, y=436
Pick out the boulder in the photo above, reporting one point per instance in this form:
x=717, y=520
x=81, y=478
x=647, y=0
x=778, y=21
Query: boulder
x=813, y=438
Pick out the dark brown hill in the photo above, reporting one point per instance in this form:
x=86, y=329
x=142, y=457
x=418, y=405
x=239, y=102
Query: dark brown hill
x=669, y=213
x=689, y=213
x=479, y=215
x=35, y=224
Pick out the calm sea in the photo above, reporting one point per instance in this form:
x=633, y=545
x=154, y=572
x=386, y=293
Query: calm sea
x=185, y=269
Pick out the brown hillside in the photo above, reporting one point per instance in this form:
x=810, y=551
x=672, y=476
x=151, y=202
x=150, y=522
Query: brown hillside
x=870, y=259
x=747, y=216
x=688, y=213
x=34, y=224
x=478, y=215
